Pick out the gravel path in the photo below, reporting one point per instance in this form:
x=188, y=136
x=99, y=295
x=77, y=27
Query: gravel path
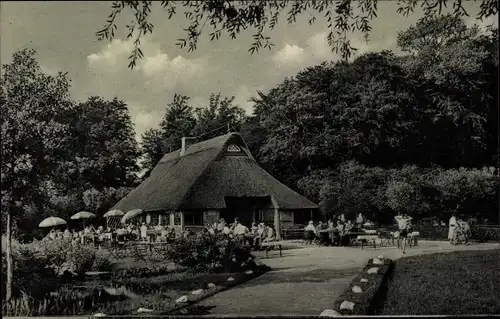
x=306, y=281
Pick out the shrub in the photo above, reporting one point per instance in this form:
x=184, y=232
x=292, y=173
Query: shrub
x=211, y=253
x=31, y=273
x=484, y=233
x=39, y=267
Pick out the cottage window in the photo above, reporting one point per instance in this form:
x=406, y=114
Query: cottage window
x=234, y=148
x=177, y=218
x=154, y=219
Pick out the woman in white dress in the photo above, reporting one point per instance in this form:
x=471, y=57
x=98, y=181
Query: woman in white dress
x=451, y=230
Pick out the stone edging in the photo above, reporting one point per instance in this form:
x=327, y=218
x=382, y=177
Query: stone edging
x=366, y=292
x=239, y=278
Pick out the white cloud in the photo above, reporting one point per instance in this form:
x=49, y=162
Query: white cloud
x=156, y=65
x=143, y=118
x=111, y=53
x=242, y=96
x=319, y=49
x=290, y=54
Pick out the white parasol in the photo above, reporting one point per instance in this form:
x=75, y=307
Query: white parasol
x=113, y=213
x=52, y=221
x=83, y=215
x=131, y=214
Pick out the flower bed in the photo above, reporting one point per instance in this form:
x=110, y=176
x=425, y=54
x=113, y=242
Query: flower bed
x=365, y=294
x=204, y=266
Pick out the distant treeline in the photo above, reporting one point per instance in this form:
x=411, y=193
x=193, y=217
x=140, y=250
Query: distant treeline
x=415, y=132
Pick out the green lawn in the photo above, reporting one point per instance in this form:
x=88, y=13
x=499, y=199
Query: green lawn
x=458, y=283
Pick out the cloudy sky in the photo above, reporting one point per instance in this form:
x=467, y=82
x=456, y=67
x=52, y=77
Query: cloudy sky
x=62, y=33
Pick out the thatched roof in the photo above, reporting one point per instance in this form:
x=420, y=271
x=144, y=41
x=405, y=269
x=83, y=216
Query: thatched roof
x=204, y=176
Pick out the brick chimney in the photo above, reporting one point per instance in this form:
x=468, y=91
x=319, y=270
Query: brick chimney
x=185, y=142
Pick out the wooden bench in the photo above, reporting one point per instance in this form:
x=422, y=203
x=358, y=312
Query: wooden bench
x=372, y=238
x=268, y=245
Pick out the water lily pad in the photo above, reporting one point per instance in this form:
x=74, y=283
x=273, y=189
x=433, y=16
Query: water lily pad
x=230, y=279
x=182, y=299
x=211, y=285
x=249, y=272
x=373, y=270
x=377, y=261
x=357, y=289
x=330, y=313
x=141, y=310
x=347, y=305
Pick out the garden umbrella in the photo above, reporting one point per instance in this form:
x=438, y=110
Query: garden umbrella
x=52, y=221
x=83, y=215
x=131, y=214
x=113, y=213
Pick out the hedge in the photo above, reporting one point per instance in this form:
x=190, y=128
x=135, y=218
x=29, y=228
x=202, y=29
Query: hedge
x=482, y=233
x=370, y=300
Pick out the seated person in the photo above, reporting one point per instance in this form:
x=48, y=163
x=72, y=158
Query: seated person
x=100, y=230
x=51, y=235
x=270, y=235
x=239, y=229
x=253, y=229
x=319, y=227
x=225, y=229
x=261, y=233
x=67, y=234
x=210, y=228
x=221, y=224
x=348, y=225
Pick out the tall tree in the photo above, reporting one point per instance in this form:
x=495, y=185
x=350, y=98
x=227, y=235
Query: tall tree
x=219, y=116
x=453, y=68
x=342, y=18
x=102, y=148
x=179, y=121
x=34, y=106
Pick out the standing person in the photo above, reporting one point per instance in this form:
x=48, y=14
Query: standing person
x=144, y=232
x=311, y=233
x=403, y=230
x=451, y=230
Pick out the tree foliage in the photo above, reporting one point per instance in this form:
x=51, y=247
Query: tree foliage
x=232, y=17
x=34, y=107
x=183, y=120
x=54, y=149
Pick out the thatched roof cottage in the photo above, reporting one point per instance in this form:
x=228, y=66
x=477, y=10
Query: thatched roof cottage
x=203, y=182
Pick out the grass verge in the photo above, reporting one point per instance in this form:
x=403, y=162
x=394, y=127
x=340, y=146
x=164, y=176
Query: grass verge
x=458, y=283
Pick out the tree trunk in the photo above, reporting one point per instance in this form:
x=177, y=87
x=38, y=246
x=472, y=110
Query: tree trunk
x=10, y=269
